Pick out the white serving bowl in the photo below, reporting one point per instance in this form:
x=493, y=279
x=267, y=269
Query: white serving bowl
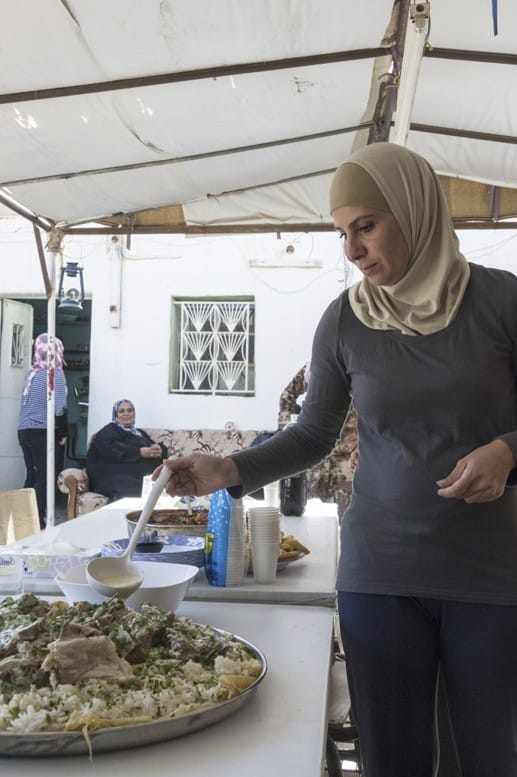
x=75, y=587
x=164, y=585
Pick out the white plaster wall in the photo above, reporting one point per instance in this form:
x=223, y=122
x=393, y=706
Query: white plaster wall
x=133, y=359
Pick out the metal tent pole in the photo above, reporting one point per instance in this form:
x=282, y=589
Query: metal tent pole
x=414, y=44
x=52, y=249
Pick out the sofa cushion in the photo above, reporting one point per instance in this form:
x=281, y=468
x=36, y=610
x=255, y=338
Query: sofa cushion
x=331, y=480
x=179, y=442
x=90, y=501
x=219, y=442
x=78, y=474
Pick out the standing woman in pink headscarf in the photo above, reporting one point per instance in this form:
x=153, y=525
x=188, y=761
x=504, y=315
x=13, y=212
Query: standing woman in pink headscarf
x=32, y=423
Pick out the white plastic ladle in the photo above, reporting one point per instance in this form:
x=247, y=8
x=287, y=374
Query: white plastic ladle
x=110, y=575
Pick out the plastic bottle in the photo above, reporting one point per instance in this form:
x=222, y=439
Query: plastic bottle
x=225, y=549
x=293, y=494
x=293, y=490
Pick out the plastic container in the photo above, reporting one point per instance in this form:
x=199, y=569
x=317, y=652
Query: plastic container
x=11, y=572
x=293, y=494
x=293, y=490
x=225, y=545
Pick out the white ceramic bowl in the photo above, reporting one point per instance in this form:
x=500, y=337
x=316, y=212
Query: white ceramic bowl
x=164, y=585
x=75, y=587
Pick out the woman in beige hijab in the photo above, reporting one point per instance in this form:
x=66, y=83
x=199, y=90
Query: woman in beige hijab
x=426, y=344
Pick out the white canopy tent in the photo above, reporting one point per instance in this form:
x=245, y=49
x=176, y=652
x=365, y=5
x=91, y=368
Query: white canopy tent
x=232, y=114
x=197, y=116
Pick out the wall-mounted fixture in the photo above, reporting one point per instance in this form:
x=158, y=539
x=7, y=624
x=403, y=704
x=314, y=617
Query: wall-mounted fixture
x=288, y=257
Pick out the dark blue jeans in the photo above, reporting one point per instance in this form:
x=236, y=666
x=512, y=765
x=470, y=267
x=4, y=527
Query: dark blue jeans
x=395, y=646
x=33, y=443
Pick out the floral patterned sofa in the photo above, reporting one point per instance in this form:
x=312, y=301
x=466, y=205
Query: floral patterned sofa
x=179, y=442
x=330, y=481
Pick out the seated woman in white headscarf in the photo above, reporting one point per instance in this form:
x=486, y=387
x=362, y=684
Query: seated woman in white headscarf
x=120, y=455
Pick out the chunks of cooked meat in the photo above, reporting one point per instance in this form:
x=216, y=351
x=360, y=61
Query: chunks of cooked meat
x=14, y=671
x=83, y=653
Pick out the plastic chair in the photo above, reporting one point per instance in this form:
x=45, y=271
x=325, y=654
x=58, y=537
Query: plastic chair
x=18, y=515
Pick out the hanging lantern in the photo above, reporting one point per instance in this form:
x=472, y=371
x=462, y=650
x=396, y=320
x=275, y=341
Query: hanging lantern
x=70, y=294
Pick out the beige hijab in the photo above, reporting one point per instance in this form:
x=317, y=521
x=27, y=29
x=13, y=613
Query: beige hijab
x=428, y=296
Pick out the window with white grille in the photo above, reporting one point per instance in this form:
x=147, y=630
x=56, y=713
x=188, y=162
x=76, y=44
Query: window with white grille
x=213, y=346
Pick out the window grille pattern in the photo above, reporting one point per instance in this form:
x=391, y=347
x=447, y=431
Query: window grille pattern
x=17, y=337
x=213, y=346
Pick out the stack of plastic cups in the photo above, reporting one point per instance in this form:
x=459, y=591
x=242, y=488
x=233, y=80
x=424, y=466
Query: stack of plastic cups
x=225, y=540
x=235, y=559
x=264, y=531
x=272, y=494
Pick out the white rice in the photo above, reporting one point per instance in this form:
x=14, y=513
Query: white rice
x=49, y=709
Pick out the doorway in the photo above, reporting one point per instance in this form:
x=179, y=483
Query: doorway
x=75, y=333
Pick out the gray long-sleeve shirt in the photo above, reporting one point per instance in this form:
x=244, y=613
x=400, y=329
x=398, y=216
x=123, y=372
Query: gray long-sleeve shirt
x=423, y=402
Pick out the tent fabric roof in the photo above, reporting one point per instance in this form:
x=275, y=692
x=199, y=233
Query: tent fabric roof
x=183, y=116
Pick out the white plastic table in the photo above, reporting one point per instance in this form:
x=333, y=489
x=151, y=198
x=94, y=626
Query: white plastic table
x=309, y=581
x=281, y=730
